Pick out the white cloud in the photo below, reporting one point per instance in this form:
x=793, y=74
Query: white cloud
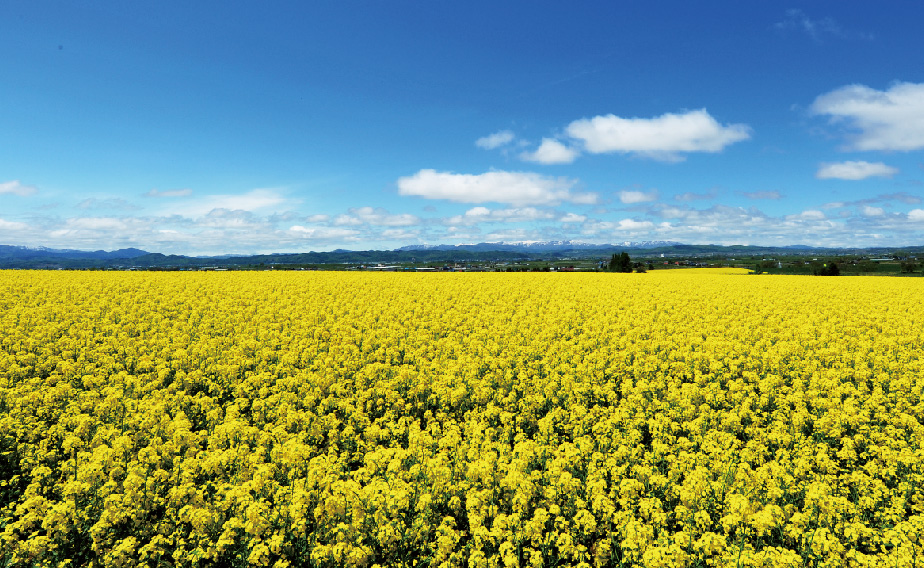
x=253, y=200
x=168, y=193
x=883, y=120
x=629, y=197
x=347, y=220
x=633, y=225
x=509, y=235
x=323, y=233
x=588, y=198
x=478, y=212
x=870, y=211
x=573, y=218
x=496, y=140
x=916, y=215
x=95, y=224
x=12, y=225
x=231, y=219
x=514, y=188
x=810, y=214
x=854, y=170
x=399, y=234
x=551, y=151
x=664, y=137
x=377, y=217
x=14, y=187
x=511, y=215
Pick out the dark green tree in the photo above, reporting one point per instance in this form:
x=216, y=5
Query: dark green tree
x=620, y=262
x=828, y=269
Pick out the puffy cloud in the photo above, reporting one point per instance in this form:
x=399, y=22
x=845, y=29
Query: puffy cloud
x=916, y=215
x=665, y=137
x=633, y=225
x=630, y=197
x=883, y=120
x=496, y=140
x=870, y=211
x=168, y=193
x=478, y=212
x=514, y=188
x=854, y=170
x=14, y=187
x=573, y=218
x=551, y=151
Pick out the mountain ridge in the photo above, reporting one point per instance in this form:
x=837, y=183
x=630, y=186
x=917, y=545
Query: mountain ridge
x=16, y=256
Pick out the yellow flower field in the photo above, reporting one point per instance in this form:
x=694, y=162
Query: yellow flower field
x=674, y=418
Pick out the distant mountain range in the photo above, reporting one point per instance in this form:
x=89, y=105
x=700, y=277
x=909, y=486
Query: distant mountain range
x=541, y=246
x=42, y=257
x=11, y=252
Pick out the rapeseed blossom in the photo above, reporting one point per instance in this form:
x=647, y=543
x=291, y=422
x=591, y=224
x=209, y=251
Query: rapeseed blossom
x=673, y=419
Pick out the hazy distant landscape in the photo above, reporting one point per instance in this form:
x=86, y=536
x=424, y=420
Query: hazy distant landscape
x=536, y=255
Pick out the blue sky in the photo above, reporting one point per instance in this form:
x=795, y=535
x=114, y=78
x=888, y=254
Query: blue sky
x=244, y=127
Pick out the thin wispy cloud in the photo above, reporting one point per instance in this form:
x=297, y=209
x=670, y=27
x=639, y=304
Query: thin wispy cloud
x=692, y=196
x=797, y=21
x=254, y=200
x=496, y=140
x=758, y=195
x=113, y=203
x=168, y=193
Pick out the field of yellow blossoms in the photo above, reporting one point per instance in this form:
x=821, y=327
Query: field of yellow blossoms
x=675, y=418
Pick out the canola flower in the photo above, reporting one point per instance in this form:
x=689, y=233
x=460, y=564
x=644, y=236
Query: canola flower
x=669, y=419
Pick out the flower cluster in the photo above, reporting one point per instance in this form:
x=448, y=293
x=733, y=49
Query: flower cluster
x=669, y=419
